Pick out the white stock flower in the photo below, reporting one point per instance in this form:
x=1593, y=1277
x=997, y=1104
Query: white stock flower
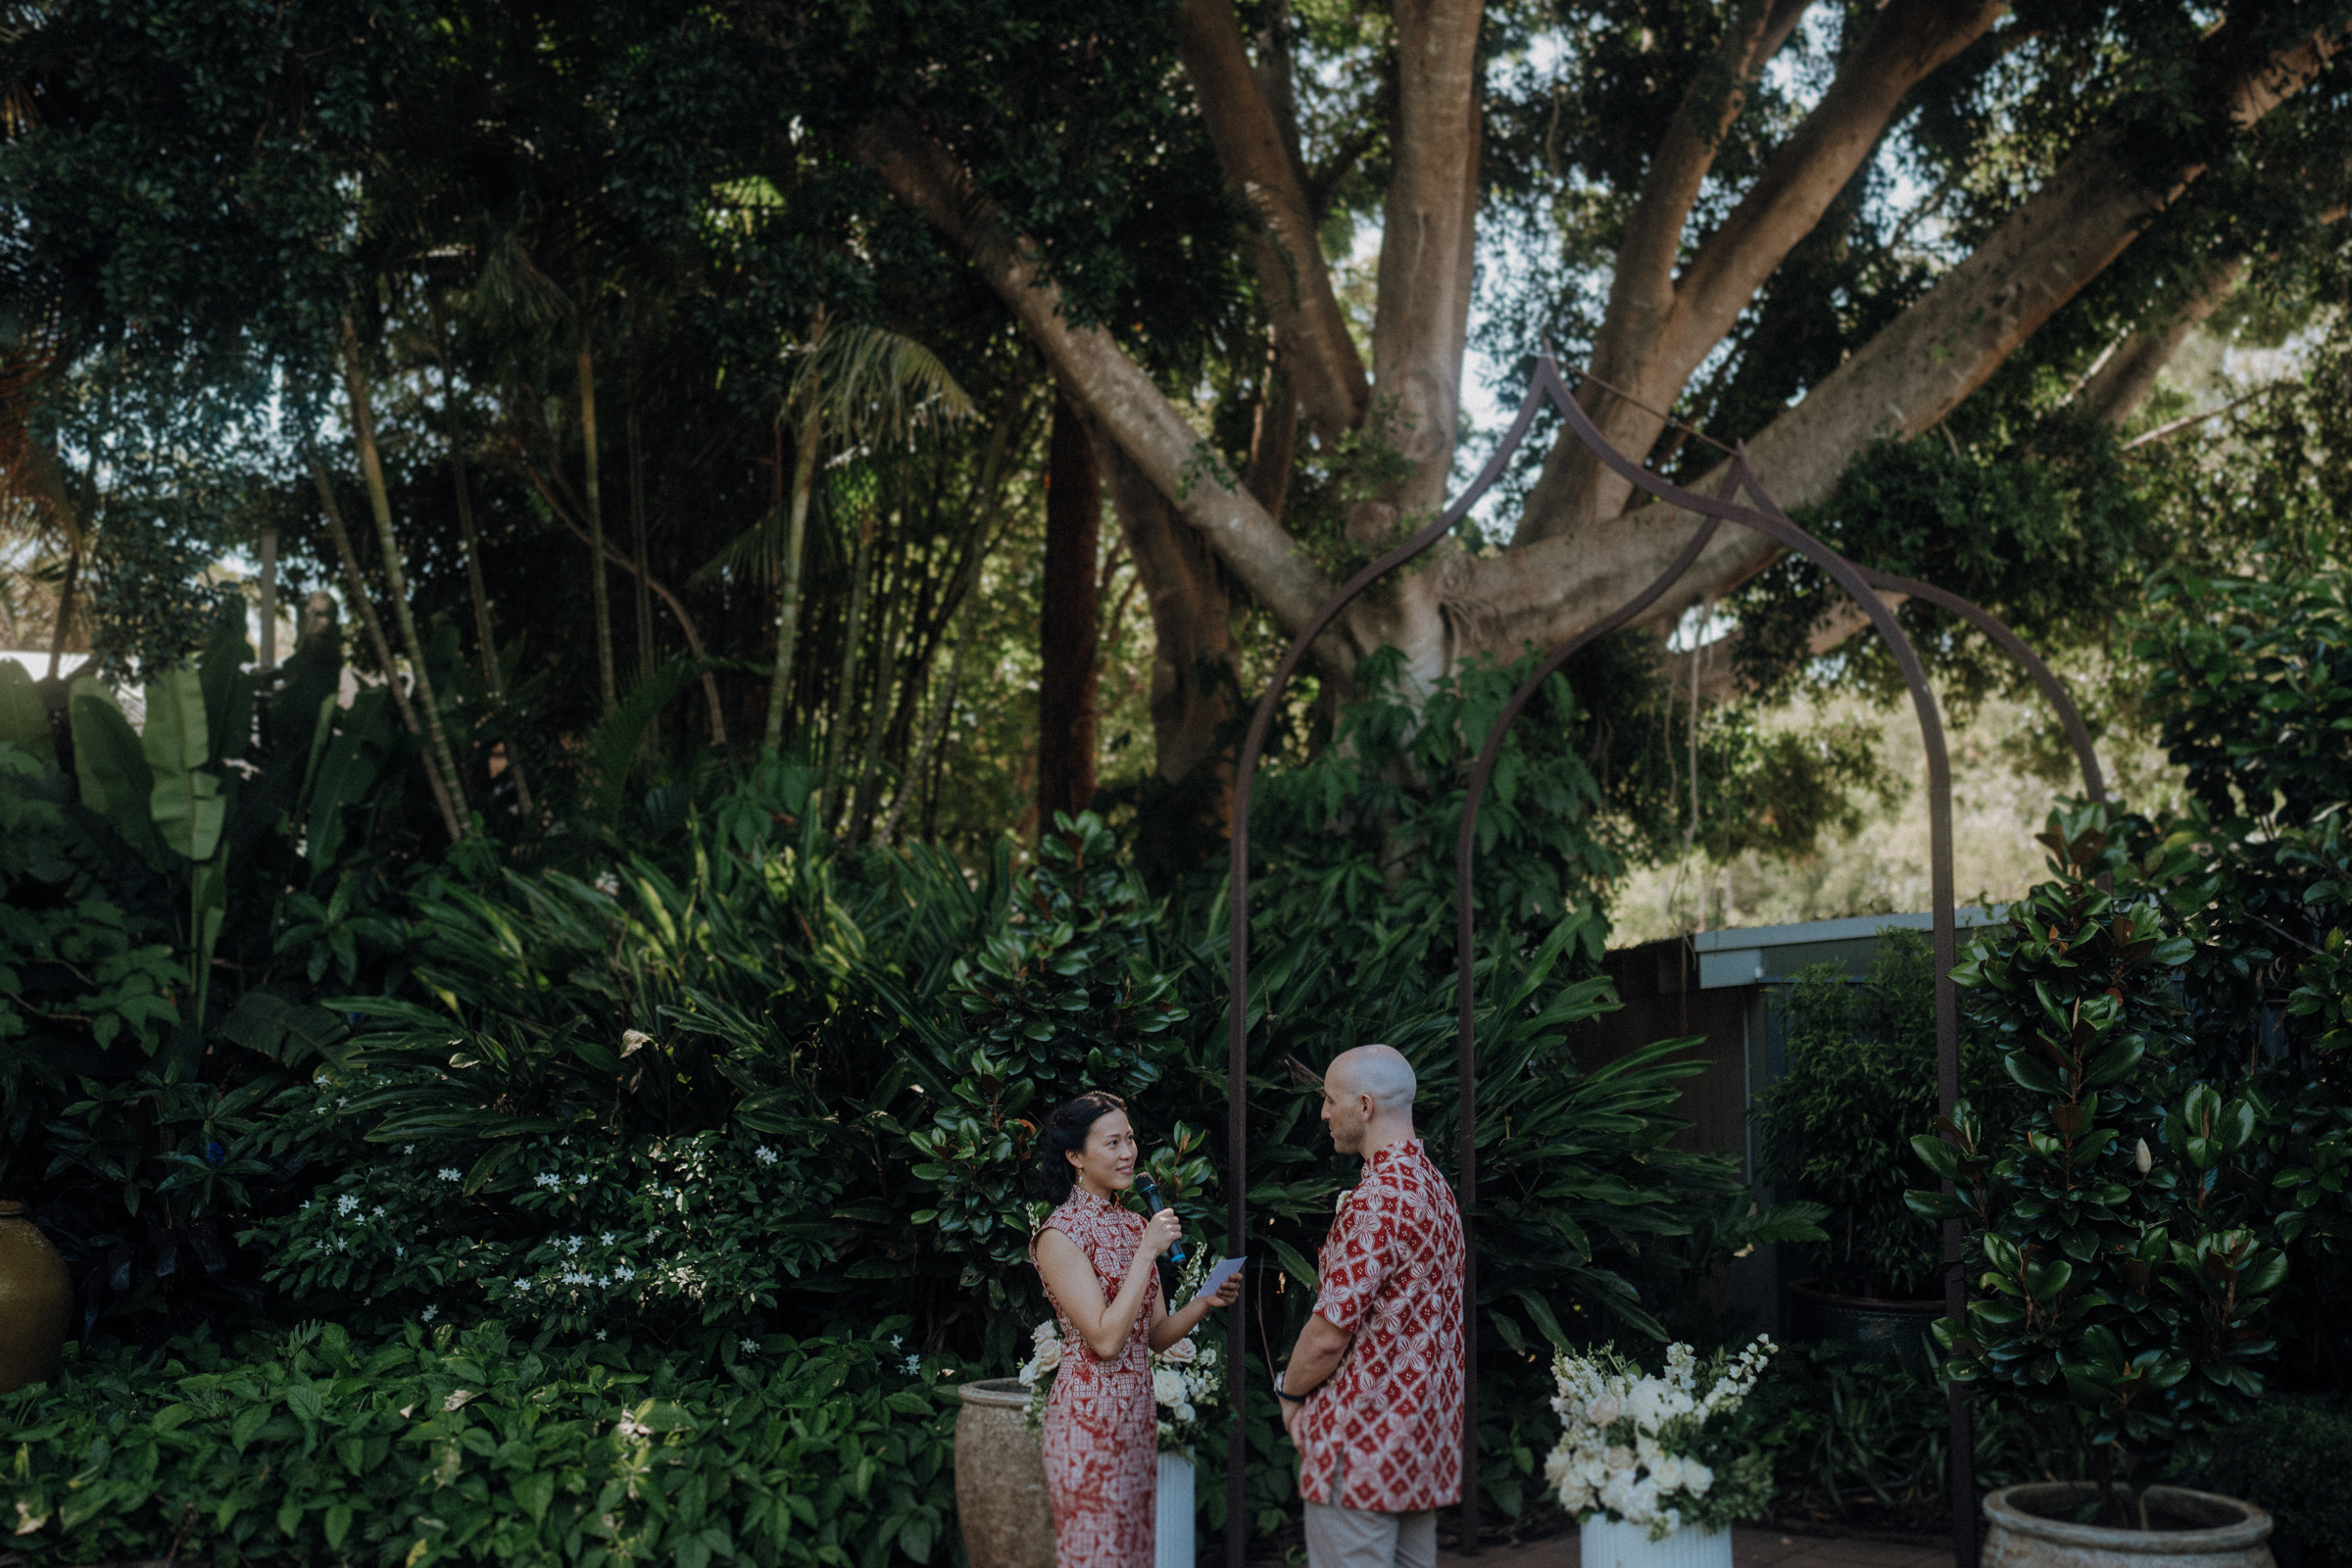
x=1603, y=1411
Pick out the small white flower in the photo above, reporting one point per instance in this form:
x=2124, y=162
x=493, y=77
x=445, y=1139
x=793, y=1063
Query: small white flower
x=914, y=1366
x=346, y=1205
x=399, y=1252
x=748, y=1347
x=608, y=883
x=306, y=1203
x=547, y=1178
x=342, y=1244
x=448, y=1174
x=605, y=1237
x=407, y=1148
x=429, y=1313
x=599, y=1334
x=377, y=1212
x=896, y=1341
x=572, y=1244
x=581, y=1180
x=522, y=1285
x=764, y=1154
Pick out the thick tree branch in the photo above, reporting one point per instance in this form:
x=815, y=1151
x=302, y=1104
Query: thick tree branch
x=2128, y=375
x=1131, y=410
x=1427, y=241
x=1904, y=380
x=1659, y=328
x=1326, y=371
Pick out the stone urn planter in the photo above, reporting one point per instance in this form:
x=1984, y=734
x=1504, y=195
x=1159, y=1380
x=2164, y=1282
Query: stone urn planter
x=1000, y=1478
x=1875, y=1331
x=2032, y=1526
x=36, y=1302
x=1606, y=1543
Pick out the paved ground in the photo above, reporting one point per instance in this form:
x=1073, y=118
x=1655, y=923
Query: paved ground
x=1750, y=1548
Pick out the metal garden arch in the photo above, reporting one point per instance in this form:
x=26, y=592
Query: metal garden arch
x=1767, y=517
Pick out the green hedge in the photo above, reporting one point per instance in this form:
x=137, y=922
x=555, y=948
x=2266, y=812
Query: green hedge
x=304, y=1447
x=2288, y=1457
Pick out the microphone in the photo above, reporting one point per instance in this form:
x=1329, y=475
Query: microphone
x=1176, y=1252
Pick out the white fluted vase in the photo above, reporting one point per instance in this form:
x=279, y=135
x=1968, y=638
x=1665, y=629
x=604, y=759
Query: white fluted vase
x=1172, y=1520
x=1608, y=1544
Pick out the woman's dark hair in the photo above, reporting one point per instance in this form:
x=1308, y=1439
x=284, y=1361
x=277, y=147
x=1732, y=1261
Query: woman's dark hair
x=1066, y=1135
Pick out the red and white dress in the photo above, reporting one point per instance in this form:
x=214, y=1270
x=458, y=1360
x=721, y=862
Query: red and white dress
x=1384, y=1433
x=1101, y=1434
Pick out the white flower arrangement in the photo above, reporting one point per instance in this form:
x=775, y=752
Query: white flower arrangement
x=1654, y=1451
x=1184, y=1376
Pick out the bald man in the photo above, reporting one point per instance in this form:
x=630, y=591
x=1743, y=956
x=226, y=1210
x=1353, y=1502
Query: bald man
x=1372, y=1394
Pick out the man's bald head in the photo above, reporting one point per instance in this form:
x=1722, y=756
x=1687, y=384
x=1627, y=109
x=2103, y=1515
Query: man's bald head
x=1368, y=1098
x=1380, y=1071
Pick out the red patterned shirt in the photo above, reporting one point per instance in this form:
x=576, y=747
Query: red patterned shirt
x=1384, y=1433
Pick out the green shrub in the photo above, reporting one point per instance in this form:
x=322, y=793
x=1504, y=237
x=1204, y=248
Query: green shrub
x=2288, y=1457
x=308, y=1447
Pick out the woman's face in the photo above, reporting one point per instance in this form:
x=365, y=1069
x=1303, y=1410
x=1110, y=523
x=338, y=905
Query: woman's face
x=1107, y=1163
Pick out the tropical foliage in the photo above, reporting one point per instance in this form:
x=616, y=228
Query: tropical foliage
x=435, y=1444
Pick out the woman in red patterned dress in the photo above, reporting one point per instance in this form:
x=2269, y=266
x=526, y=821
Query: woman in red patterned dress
x=1096, y=1257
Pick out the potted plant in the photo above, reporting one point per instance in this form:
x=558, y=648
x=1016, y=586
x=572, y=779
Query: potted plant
x=1834, y=1128
x=2119, y=1291
x=1184, y=1381
x=1656, y=1468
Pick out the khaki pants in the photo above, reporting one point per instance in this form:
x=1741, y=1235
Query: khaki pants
x=1353, y=1538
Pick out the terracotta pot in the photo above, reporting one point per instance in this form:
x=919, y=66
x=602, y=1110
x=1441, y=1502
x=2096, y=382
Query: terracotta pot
x=36, y=1302
x=2200, y=1530
x=1875, y=1331
x=1000, y=1478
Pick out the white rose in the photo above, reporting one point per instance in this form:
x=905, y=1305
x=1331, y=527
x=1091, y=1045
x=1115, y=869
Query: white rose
x=1181, y=1352
x=1048, y=1355
x=1603, y=1411
x=1167, y=1387
x=1696, y=1478
x=1183, y=1413
x=1618, y=1457
x=1048, y=1330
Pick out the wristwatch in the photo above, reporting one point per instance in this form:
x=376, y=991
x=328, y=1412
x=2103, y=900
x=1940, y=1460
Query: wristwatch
x=1281, y=1392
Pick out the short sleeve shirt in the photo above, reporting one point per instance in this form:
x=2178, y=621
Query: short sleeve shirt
x=1383, y=1434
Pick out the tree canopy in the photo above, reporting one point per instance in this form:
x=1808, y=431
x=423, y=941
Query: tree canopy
x=508, y=316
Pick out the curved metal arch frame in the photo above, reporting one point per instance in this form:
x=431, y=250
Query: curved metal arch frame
x=1768, y=518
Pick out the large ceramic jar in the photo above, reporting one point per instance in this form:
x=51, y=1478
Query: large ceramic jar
x=36, y=1302
x=1611, y=1543
x=1000, y=1478
x=1872, y=1330
x=2033, y=1527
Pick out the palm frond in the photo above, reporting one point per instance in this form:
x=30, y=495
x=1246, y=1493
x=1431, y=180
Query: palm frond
x=876, y=384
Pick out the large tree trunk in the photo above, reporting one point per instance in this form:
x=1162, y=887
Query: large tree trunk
x=2125, y=379
x=1068, y=632
x=1428, y=244
x=1192, y=623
